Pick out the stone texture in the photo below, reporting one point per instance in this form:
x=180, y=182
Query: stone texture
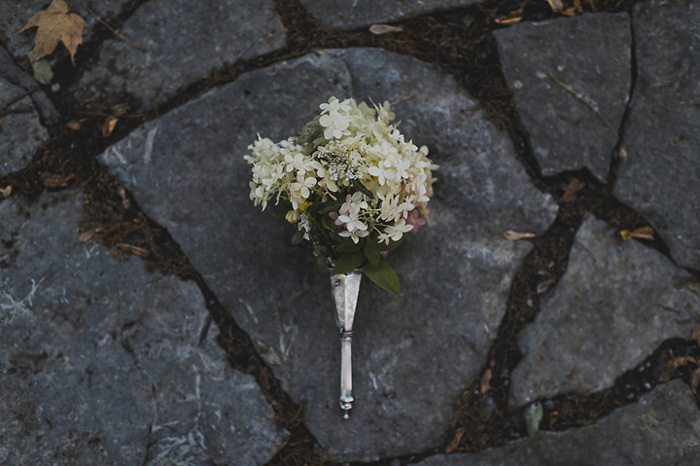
x=184, y=42
x=346, y=14
x=660, y=180
x=99, y=362
x=661, y=429
x=590, y=54
x=16, y=14
x=21, y=134
x=411, y=357
x=613, y=306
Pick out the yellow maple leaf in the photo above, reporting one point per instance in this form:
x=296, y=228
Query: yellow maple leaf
x=56, y=24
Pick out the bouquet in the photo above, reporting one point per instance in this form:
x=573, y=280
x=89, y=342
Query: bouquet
x=353, y=186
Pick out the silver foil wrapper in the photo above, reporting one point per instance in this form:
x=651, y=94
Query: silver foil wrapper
x=346, y=290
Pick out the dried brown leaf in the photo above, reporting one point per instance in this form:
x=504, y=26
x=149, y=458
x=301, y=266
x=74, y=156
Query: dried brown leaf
x=514, y=235
x=51, y=180
x=134, y=249
x=56, y=24
x=87, y=235
x=379, y=29
x=683, y=360
x=694, y=381
x=6, y=191
x=455, y=440
x=486, y=381
x=571, y=188
x=624, y=156
x=696, y=334
x=556, y=5
x=74, y=125
x=643, y=233
x=511, y=19
x=108, y=126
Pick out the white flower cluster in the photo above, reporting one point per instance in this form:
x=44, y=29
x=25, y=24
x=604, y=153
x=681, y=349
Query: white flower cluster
x=350, y=171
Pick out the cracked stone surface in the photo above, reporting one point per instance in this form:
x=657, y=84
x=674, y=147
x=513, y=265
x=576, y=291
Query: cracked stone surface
x=591, y=54
x=348, y=15
x=16, y=14
x=662, y=428
x=21, y=133
x=184, y=42
x=660, y=179
x=611, y=292
x=285, y=304
x=99, y=359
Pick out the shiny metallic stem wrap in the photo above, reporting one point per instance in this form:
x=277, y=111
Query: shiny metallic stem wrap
x=346, y=289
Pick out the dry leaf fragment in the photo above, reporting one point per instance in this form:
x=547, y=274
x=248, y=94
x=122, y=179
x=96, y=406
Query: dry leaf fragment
x=134, y=249
x=75, y=124
x=643, y=233
x=379, y=29
x=108, y=126
x=455, y=441
x=486, y=380
x=55, y=24
x=624, y=156
x=510, y=19
x=694, y=381
x=696, y=334
x=556, y=5
x=571, y=188
x=6, y=191
x=514, y=235
x=51, y=180
x=684, y=360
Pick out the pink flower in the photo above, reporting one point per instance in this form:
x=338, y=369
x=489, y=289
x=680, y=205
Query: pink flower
x=416, y=220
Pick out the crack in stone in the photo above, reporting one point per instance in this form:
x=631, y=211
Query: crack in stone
x=522, y=308
x=619, y=153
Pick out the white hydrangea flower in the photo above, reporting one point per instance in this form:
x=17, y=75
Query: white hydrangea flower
x=360, y=148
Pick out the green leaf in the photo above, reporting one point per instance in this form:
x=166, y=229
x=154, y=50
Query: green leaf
x=383, y=275
x=297, y=238
x=533, y=416
x=348, y=262
x=330, y=207
x=326, y=222
x=41, y=69
x=373, y=251
x=362, y=188
x=348, y=245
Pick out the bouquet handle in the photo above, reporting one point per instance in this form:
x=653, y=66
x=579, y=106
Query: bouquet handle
x=346, y=289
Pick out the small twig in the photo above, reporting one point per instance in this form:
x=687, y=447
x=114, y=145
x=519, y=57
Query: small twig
x=19, y=97
x=114, y=31
x=15, y=110
x=589, y=104
x=688, y=285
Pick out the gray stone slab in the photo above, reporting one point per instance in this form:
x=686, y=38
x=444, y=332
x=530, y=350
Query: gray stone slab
x=16, y=14
x=21, y=133
x=662, y=428
x=613, y=306
x=184, y=42
x=661, y=178
x=99, y=362
x=346, y=14
x=591, y=55
x=411, y=357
